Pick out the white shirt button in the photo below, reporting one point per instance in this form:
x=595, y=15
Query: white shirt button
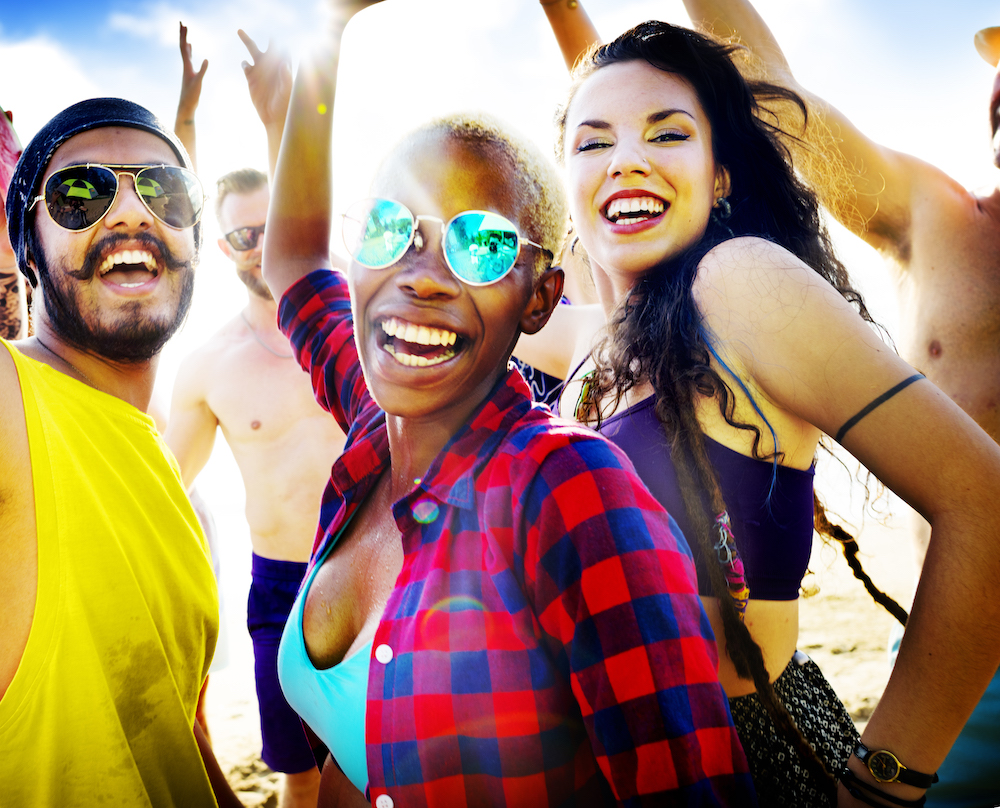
x=384, y=655
x=383, y=800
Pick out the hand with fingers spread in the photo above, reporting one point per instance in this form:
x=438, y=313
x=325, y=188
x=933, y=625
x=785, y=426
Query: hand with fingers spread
x=190, y=96
x=269, y=79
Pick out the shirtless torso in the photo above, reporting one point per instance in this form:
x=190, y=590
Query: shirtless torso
x=948, y=278
x=245, y=380
x=283, y=442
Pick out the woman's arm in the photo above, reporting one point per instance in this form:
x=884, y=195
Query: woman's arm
x=315, y=316
x=553, y=348
x=815, y=361
x=299, y=216
x=882, y=180
x=336, y=791
x=574, y=31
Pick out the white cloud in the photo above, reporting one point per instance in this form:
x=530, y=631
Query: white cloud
x=52, y=78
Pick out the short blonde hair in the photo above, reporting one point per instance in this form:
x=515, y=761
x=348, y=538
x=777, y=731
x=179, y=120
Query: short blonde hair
x=535, y=185
x=240, y=181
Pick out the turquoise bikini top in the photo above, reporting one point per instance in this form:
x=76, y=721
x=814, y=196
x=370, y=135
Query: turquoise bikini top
x=332, y=701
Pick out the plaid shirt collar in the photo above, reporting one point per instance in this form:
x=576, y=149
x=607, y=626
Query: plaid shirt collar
x=452, y=475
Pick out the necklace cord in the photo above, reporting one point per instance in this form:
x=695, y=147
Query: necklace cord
x=63, y=359
x=261, y=342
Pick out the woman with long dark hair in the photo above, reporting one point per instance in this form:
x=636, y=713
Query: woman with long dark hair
x=734, y=340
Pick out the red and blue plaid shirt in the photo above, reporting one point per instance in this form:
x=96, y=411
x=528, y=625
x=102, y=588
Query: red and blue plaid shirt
x=544, y=643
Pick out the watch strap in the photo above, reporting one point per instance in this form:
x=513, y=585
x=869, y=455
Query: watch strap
x=905, y=775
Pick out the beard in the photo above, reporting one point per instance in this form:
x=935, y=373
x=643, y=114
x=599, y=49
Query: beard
x=254, y=283
x=134, y=336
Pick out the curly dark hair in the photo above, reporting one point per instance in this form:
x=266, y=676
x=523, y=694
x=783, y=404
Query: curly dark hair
x=657, y=333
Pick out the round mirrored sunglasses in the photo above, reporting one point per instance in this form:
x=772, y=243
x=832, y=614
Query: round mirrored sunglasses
x=480, y=247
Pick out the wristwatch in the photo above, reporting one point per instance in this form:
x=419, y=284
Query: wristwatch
x=886, y=768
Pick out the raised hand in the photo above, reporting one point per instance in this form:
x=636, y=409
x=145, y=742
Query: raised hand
x=190, y=81
x=187, y=105
x=269, y=79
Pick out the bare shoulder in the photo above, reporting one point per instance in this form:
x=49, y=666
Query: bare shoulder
x=754, y=266
x=944, y=208
x=926, y=210
x=585, y=321
x=753, y=285
x=566, y=337
x=927, y=178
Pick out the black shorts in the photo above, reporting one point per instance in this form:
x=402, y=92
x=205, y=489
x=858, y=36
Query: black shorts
x=780, y=777
x=273, y=587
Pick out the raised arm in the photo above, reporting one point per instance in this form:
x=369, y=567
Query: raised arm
x=192, y=424
x=190, y=96
x=808, y=355
x=573, y=29
x=299, y=216
x=269, y=79
x=876, y=186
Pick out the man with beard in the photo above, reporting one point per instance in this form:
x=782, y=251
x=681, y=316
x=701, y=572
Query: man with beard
x=245, y=381
x=110, y=610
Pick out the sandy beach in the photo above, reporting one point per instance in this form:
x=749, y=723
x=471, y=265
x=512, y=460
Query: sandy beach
x=841, y=628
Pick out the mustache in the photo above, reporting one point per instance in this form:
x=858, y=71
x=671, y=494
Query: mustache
x=95, y=255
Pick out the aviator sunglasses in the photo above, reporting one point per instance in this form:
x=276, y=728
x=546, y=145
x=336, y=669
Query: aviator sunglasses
x=244, y=238
x=78, y=197
x=479, y=247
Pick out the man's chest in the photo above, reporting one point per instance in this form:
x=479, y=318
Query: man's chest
x=261, y=400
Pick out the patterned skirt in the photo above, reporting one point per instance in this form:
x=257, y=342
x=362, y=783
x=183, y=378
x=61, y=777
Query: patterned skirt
x=779, y=775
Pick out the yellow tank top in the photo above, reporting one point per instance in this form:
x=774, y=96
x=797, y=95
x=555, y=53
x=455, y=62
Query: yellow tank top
x=101, y=708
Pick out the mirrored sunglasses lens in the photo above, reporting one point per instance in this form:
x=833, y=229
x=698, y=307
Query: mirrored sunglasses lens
x=377, y=232
x=173, y=194
x=245, y=238
x=78, y=196
x=481, y=247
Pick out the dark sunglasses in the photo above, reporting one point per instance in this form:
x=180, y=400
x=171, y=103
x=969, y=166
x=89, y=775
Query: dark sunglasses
x=244, y=238
x=479, y=247
x=78, y=197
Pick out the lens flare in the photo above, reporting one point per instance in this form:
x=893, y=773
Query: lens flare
x=425, y=511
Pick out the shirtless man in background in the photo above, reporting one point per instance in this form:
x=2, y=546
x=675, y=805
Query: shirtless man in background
x=245, y=381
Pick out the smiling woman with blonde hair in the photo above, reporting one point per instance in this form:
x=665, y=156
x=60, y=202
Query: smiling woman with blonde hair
x=496, y=612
